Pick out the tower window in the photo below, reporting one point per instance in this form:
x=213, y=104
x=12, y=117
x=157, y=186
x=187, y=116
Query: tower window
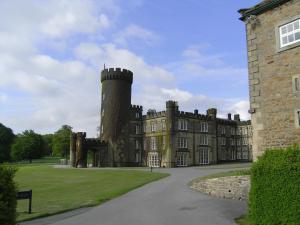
x=296, y=83
x=163, y=124
x=289, y=33
x=153, y=127
x=204, y=127
x=137, y=115
x=298, y=117
x=153, y=143
x=182, y=142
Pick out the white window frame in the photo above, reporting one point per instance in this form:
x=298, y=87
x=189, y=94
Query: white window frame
x=203, y=156
x=153, y=126
x=182, y=159
x=137, y=144
x=223, y=141
x=137, y=115
x=137, y=129
x=285, y=33
x=232, y=131
x=204, y=127
x=182, y=124
x=232, y=142
x=182, y=142
x=203, y=139
x=223, y=130
x=296, y=84
x=163, y=124
x=153, y=143
x=153, y=160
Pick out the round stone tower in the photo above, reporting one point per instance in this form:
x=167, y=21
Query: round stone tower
x=115, y=114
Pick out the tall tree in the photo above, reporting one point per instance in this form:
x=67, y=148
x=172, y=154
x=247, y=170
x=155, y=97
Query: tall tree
x=61, y=141
x=6, y=139
x=27, y=145
x=48, y=143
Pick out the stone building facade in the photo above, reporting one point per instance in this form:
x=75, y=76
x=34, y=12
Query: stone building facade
x=273, y=42
x=169, y=138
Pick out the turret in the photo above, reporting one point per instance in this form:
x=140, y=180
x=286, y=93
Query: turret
x=212, y=113
x=115, y=112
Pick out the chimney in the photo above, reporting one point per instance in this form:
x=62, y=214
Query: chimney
x=196, y=111
x=229, y=116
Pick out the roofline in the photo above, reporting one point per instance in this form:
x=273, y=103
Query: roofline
x=260, y=8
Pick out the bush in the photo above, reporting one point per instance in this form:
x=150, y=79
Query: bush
x=8, y=193
x=275, y=188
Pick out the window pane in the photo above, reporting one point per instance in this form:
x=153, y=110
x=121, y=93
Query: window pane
x=291, y=38
x=297, y=36
x=290, y=27
x=283, y=29
x=296, y=25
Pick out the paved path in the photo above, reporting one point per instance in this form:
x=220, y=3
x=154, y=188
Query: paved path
x=165, y=202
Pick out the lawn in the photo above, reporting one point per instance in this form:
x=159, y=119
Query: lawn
x=58, y=190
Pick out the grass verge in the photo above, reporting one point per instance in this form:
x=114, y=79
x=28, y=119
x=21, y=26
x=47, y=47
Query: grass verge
x=60, y=190
x=243, y=220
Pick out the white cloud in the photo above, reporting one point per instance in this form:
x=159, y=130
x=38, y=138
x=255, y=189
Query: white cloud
x=3, y=98
x=135, y=32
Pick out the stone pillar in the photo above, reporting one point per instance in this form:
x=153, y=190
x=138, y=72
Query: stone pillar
x=73, y=149
x=81, y=152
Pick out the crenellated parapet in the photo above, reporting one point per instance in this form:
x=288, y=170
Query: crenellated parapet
x=116, y=74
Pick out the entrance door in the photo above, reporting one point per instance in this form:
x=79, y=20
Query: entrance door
x=204, y=156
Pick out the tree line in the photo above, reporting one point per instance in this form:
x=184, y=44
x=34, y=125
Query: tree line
x=30, y=145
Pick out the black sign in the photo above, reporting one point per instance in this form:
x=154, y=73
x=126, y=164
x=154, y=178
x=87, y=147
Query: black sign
x=25, y=195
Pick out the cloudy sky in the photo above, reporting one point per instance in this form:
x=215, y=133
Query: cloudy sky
x=52, y=52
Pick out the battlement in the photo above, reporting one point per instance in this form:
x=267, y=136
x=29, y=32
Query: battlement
x=136, y=107
x=191, y=115
x=153, y=114
x=116, y=74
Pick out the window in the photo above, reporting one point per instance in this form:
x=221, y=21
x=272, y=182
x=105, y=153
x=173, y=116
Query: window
x=232, y=131
x=238, y=142
x=289, y=33
x=137, y=129
x=163, y=124
x=102, y=114
x=182, y=142
x=298, y=118
x=103, y=96
x=137, y=115
x=182, y=125
x=137, y=144
x=233, y=154
x=102, y=129
x=223, y=141
x=232, y=142
x=223, y=130
x=204, y=127
x=137, y=157
x=153, y=143
x=245, y=141
x=153, y=127
x=203, y=156
x=145, y=127
x=153, y=160
x=203, y=140
x=296, y=84
x=182, y=159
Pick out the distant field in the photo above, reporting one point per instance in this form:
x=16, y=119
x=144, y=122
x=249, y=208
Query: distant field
x=58, y=190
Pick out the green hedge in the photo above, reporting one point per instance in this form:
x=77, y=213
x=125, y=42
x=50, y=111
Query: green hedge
x=7, y=196
x=275, y=188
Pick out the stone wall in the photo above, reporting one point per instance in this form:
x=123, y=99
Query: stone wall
x=232, y=187
x=271, y=70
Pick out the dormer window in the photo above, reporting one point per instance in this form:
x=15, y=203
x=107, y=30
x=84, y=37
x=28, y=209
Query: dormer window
x=289, y=33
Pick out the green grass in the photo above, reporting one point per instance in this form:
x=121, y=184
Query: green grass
x=59, y=190
x=243, y=220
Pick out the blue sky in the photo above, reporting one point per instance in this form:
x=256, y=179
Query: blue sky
x=51, y=54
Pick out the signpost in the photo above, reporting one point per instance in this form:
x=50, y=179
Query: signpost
x=25, y=195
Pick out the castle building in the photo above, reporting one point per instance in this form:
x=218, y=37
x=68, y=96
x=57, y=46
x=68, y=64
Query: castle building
x=170, y=138
x=273, y=42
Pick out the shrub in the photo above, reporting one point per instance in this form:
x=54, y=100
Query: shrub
x=8, y=193
x=275, y=188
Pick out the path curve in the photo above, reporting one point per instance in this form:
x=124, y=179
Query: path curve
x=168, y=201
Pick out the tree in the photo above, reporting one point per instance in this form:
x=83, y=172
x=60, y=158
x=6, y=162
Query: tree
x=6, y=139
x=61, y=141
x=27, y=145
x=48, y=143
